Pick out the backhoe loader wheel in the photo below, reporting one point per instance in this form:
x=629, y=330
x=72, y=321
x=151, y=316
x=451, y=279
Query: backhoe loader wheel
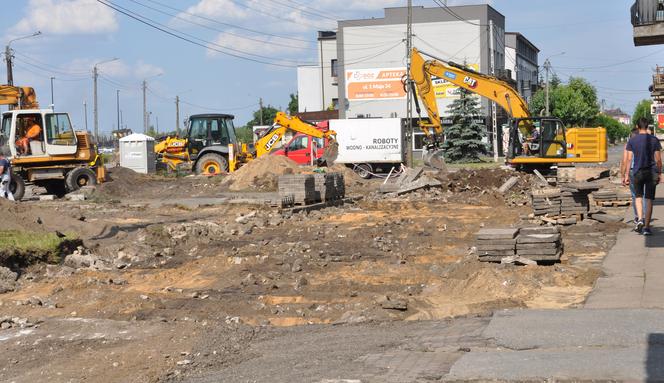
x=80, y=177
x=17, y=187
x=211, y=164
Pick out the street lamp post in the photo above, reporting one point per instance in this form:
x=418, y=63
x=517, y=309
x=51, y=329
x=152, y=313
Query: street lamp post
x=118, y=106
x=9, y=56
x=95, y=75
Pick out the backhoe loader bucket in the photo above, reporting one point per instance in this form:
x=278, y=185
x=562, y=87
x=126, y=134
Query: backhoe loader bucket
x=331, y=153
x=434, y=158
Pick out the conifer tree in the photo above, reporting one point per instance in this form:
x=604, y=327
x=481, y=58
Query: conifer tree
x=463, y=140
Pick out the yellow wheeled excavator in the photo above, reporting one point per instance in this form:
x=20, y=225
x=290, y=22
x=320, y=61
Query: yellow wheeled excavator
x=43, y=147
x=211, y=146
x=555, y=144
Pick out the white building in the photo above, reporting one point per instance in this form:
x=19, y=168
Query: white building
x=317, y=84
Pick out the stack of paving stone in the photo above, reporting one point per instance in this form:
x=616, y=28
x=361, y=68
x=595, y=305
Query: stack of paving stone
x=302, y=188
x=542, y=243
x=546, y=201
x=575, y=198
x=612, y=197
x=495, y=244
x=325, y=187
x=339, y=185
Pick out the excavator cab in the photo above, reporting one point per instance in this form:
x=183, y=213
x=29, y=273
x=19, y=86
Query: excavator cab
x=539, y=137
x=38, y=133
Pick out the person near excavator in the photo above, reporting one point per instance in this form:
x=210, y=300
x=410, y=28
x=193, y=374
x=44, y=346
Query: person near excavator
x=32, y=132
x=5, y=178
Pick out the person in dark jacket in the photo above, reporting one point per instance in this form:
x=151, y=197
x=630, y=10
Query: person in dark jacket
x=644, y=153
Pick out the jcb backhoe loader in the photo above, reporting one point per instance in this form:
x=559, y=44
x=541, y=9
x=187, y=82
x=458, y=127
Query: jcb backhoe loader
x=211, y=146
x=555, y=144
x=51, y=155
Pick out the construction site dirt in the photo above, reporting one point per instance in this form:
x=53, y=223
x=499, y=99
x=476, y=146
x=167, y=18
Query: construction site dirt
x=166, y=291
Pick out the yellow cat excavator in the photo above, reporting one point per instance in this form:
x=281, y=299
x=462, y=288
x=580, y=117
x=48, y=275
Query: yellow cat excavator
x=43, y=147
x=553, y=143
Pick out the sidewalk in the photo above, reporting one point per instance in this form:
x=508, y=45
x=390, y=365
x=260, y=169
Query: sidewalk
x=634, y=268
x=618, y=335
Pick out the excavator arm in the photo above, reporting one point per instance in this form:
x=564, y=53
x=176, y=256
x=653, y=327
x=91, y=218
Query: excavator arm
x=502, y=93
x=23, y=97
x=284, y=123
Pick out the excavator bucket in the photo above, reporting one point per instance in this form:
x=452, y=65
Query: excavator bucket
x=434, y=158
x=331, y=153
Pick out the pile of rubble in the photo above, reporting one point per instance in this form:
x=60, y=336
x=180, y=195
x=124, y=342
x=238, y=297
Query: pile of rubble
x=411, y=179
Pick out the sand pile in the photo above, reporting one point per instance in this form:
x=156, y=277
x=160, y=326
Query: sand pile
x=263, y=173
x=122, y=182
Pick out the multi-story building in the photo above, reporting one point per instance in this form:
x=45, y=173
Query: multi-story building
x=521, y=59
x=619, y=115
x=317, y=84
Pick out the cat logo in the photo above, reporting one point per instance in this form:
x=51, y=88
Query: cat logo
x=273, y=139
x=471, y=82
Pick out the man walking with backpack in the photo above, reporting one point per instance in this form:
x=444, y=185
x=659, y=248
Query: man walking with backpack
x=644, y=152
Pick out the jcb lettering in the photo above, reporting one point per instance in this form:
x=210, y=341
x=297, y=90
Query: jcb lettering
x=471, y=82
x=270, y=143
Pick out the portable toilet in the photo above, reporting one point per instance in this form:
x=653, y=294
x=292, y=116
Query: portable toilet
x=137, y=153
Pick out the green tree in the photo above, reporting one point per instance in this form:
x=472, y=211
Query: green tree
x=269, y=113
x=463, y=140
x=642, y=110
x=574, y=103
x=245, y=134
x=293, y=104
x=614, y=129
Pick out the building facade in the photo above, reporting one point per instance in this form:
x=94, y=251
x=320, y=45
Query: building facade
x=372, y=54
x=317, y=84
x=521, y=58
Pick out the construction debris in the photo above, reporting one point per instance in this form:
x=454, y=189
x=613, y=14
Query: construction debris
x=510, y=183
x=412, y=179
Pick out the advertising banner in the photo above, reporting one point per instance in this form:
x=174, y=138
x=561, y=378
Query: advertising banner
x=386, y=84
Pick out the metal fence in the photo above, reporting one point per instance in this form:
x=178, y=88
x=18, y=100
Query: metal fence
x=646, y=12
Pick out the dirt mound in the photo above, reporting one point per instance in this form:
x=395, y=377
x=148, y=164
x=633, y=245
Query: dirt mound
x=25, y=217
x=122, y=182
x=486, y=182
x=263, y=173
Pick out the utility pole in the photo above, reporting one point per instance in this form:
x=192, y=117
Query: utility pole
x=85, y=112
x=95, y=75
x=547, y=67
x=177, y=115
x=8, y=58
x=95, y=110
x=494, y=118
x=260, y=103
x=409, y=93
x=145, y=107
x=117, y=92
x=157, y=117
x=52, y=98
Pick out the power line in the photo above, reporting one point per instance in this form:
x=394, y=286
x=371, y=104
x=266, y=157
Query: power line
x=615, y=64
x=176, y=35
x=221, y=30
x=455, y=15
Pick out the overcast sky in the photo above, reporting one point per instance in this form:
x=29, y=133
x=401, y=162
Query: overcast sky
x=223, y=67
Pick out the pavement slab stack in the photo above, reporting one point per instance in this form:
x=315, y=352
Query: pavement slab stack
x=495, y=244
x=326, y=189
x=546, y=201
x=612, y=197
x=302, y=188
x=339, y=183
x=543, y=243
x=575, y=197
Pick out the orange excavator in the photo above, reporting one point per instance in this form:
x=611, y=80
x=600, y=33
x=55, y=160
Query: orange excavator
x=43, y=147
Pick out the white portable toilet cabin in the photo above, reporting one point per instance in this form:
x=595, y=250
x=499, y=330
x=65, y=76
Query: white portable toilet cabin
x=137, y=153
